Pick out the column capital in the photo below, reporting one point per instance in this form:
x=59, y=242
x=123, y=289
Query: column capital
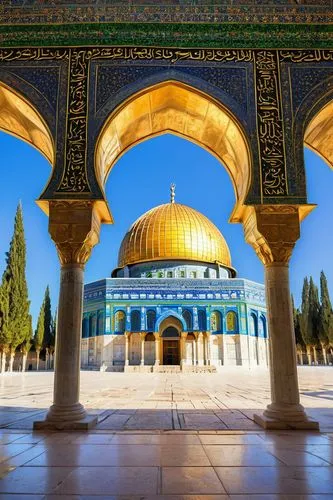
x=272, y=230
x=183, y=335
x=156, y=335
x=74, y=227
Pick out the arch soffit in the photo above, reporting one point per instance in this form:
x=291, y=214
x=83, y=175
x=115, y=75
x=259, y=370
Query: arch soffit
x=174, y=107
x=319, y=133
x=21, y=119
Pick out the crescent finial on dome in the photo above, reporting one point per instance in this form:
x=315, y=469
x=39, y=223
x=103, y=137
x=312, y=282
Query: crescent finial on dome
x=172, y=192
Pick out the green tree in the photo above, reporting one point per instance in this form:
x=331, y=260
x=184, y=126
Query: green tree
x=26, y=346
x=39, y=332
x=15, y=290
x=44, y=335
x=297, y=328
x=3, y=325
x=48, y=326
x=325, y=329
x=306, y=330
x=314, y=315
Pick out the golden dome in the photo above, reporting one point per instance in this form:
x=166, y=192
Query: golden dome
x=173, y=232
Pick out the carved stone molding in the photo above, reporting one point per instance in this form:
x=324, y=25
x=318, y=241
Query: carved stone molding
x=273, y=231
x=74, y=226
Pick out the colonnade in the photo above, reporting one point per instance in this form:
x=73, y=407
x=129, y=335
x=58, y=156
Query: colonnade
x=272, y=230
x=201, y=351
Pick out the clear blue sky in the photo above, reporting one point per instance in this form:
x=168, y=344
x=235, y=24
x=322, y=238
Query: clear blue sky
x=139, y=181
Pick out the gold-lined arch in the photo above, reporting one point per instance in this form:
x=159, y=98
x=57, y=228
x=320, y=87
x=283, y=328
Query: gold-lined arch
x=19, y=117
x=173, y=107
x=319, y=133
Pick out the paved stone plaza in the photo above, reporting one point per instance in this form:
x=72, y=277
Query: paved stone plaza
x=138, y=401
x=170, y=435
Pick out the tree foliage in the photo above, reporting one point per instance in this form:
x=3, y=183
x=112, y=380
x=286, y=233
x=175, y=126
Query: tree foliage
x=44, y=334
x=325, y=327
x=15, y=317
x=309, y=313
x=297, y=325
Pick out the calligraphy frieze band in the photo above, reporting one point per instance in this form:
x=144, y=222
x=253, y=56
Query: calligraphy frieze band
x=270, y=125
x=74, y=179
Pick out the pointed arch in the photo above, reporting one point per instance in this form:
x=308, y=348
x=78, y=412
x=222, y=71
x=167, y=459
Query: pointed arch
x=20, y=118
x=174, y=107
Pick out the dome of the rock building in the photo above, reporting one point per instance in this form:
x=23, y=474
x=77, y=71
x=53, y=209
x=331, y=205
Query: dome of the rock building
x=173, y=232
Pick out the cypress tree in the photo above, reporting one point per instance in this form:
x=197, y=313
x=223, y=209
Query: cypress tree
x=3, y=325
x=304, y=319
x=39, y=332
x=48, y=325
x=16, y=290
x=325, y=331
x=297, y=328
x=26, y=346
x=314, y=307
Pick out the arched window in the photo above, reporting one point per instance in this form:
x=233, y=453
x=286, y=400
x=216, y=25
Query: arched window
x=187, y=315
x=202, y=320
x=100, y=323
x=262, y=327
x=119, y=322
x=216, y=321
x=92, y=325
x=151, y=320
x=135, y=321
x=85, y=327
x=253, y=325
x=231, y=320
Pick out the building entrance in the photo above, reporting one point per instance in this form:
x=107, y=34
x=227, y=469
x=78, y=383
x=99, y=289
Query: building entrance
x=170, y=346
x=170, y=352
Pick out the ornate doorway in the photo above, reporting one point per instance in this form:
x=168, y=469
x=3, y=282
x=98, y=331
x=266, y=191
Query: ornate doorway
x=170, y=346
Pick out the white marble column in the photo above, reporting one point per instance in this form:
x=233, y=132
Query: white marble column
x=273, y=232
x=157, y=348
x=194, y=347
x=142, y=361
x=127, y=336
x=74, y=227
x=285, y=406
x=200, y=355
x=208, y=350
x=66, y=403
x=183, y=337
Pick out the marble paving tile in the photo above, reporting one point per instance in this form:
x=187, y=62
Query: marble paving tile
x=26, y=456
x=110, y=481
x=279, y=480
x=235, y=455
x=166, y=439
x=322, y=451
x=185, y=455
x=190, y=481
x=98, y=456
x=33, y=480
x=231, y=439
x=300, y=457
x=8, y=451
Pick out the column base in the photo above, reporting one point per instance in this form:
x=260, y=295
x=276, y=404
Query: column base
x=89, y=422
x=285, y=423
x=69, y=417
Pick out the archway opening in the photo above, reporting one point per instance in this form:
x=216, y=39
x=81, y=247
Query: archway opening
x=182, y=110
